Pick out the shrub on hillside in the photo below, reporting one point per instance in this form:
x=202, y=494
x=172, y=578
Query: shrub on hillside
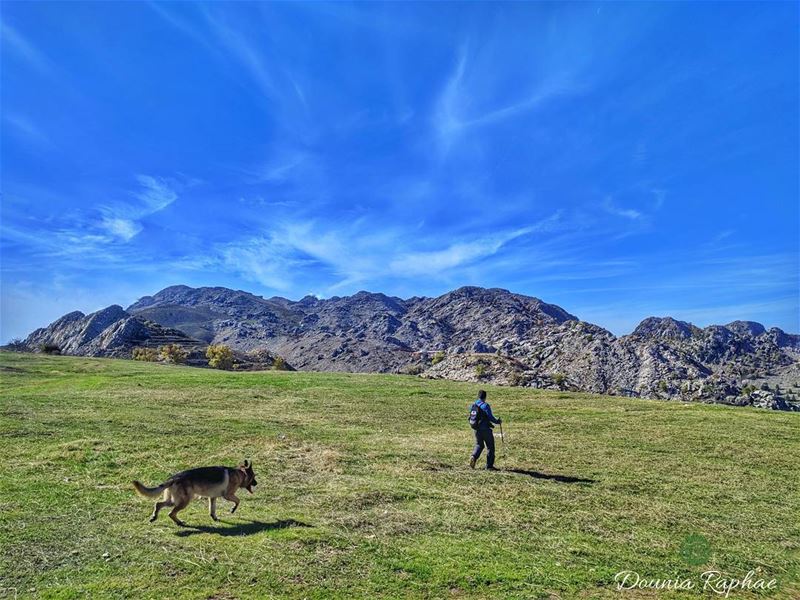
x=559, y=379
x=219, y=356
x=518, y=380
x=172, y=353
x=437, y=358
x=414, y=369
x=145, y=354
x=279, y=364
x=50, y=348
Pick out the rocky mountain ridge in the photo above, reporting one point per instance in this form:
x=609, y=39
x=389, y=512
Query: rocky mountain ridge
x=111, y=332
x=471, y=333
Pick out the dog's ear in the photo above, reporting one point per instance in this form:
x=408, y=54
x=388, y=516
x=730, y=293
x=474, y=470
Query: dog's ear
x=246, y=464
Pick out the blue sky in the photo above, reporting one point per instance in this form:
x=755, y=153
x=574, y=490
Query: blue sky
x=620, y=160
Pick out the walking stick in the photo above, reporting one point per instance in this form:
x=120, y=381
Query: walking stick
x=502, y=437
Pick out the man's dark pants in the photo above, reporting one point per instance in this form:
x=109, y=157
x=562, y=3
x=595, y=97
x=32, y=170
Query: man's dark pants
x=484, y=437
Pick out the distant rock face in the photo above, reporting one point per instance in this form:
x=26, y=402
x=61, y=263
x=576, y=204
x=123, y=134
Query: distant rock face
x=111, y=332
x=663, y=328
x=746, y=328
x=471, y=334
x=363, y=332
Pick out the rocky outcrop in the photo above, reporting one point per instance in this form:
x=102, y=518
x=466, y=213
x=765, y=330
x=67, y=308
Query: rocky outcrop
x=111, y=332
x=470, y=334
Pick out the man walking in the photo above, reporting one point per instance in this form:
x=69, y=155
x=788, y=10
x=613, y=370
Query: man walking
x=481, y=420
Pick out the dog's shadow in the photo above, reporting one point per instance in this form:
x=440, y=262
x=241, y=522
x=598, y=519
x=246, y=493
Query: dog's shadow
x=239, y=529
x=558, y=478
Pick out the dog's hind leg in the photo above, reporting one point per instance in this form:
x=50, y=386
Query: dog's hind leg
x=180, y=504
x=158, y=507
x=212, y=508
x=231, y=497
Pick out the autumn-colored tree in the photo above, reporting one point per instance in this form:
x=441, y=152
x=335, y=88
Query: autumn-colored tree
x=219, y=357
x=173, y=353
x=145, y=354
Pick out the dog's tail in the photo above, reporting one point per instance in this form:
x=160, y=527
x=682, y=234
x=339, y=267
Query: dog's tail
x=153, y=492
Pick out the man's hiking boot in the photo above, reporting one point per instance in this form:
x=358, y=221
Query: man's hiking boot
x=492, y=469
x=472, y=460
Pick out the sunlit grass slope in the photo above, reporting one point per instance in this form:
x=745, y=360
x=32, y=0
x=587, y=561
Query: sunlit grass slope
x=365, y=489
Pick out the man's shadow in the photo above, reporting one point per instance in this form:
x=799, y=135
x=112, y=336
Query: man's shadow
x=559, y=478
x=249, y=528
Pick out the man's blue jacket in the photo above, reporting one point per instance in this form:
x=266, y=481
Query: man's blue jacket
x=487, y=412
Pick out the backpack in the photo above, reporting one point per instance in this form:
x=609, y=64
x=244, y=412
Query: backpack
x=476, y=415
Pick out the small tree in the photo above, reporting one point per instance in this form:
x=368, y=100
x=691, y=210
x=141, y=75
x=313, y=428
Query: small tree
x=480, y=370
x=437, y=358
x=48, y=348
x=279, y=364
x=559, y=379
x=173, y=353
x=219, y=356
x=145, y=354
x=662, y=386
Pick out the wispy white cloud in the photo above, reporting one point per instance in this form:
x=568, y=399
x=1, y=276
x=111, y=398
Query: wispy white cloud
x=76, y=241
x=628, y=213
x=544, y=92
x=640, y=154
x=721, y=237
x=291, y=250
x=28, y=131
x=24, y=49
x=436, y=262
x=123, y=229
x=122, y=219
x=265, y=260
x=241, y=48
x=299, y=91
x=279, y=170
x=358, y=253
x=447, y=120
x=352, y=252
x=247, y=56
x=92, y=234
x=659, y=196
x=155, y=194
x=178, y=23
x=462, y=104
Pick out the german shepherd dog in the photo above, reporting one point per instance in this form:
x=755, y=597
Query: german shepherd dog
x=203, y=482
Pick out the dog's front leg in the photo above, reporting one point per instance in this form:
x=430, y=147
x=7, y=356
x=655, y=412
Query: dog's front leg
x=212, y=508
x=231, y=497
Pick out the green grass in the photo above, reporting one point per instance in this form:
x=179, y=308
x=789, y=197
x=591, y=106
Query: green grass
x=365, y=491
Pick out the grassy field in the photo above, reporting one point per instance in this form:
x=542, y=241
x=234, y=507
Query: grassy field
x=365, y=489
